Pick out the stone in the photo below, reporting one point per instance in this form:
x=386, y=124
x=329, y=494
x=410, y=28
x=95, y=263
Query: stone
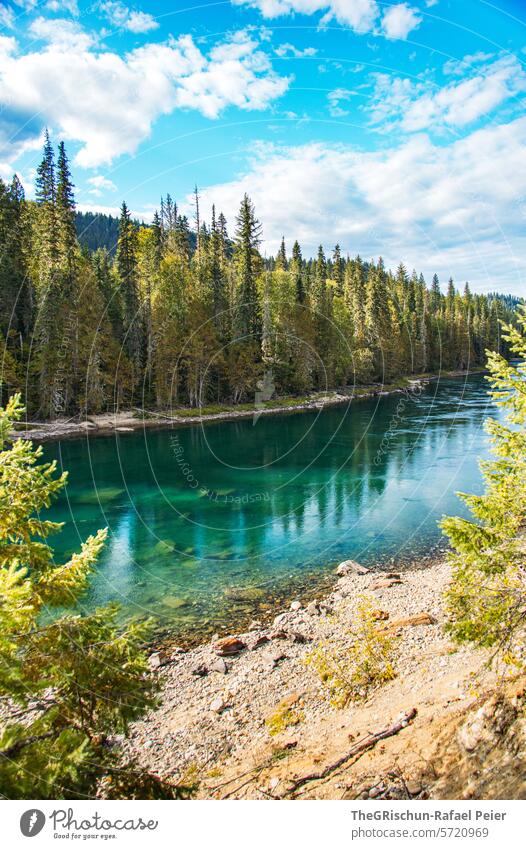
x=200, y=671
x=313, y=608
x=219, y=665
x=278, y=635
x=298, y=637
x=254, y=625
x=413, y=787
x=384, y=584
x=295, y=605
x=351, y=567
x=229, y=646
x=156, y=660
x=379, y=615
x=418, y=619
x=279, y=620
x=261, y=640
x=217, y=706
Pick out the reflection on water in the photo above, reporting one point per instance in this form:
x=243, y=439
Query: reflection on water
x=210, y=524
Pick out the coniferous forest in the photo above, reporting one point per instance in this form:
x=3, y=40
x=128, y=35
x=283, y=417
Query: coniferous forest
x=189, y=312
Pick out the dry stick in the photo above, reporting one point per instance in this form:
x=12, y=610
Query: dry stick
x=357, y=749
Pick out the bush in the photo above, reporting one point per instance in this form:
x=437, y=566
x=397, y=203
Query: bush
x=350, y=672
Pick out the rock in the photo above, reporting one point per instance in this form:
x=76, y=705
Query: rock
x=217, y=706
x=229, y=646
x=379, y=615
x=296, y=605
x=418, y=619
x=219, y=665
x=157, y=659
x=392, y=576
x=200, y=671
x=177, y=650
x=254, y=625
x=413, y=787
x=384, y=584
x=277, y=656
x=261, y=640
x=313, y=608
x=280, y=619
x=124, y=429
x=278, y=635
x=350, y=567
x=298, y=637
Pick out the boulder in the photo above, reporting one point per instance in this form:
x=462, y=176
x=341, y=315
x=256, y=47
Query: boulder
x=229, y=646
x=351, y=567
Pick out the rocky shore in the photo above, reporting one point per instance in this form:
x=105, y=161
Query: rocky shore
x=244, y=715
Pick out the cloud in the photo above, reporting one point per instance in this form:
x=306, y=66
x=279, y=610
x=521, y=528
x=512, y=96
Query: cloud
x=61, y=34
x=416, y=106
x=362, y=16
x=454, y=209
x=122, y=96
x=284, y=50
x=70, y=6
x=7, y=18
x=100, y=185
x=124, y=18
x=336, y=97
x=398, y=21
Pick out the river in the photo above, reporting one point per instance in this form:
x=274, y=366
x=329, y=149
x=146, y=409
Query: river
x=211, y=525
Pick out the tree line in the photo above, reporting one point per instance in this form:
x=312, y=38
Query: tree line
x=183, y=313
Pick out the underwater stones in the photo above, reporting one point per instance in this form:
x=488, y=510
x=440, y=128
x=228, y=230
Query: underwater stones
x=175, y=602
x=164, y=546
x=244, y=593
x=229, y=646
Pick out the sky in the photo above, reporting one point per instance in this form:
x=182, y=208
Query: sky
x=393, y=129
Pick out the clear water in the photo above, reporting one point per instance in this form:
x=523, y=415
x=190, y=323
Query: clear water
x=211, y=525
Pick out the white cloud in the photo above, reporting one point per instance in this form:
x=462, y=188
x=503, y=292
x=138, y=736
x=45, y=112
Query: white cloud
x=454, y=209
x=100, y=185
x=122, y=96
x=398, y=21
x=61, y=34
x=287, y=49
x=362, y=16
x=70, y=6
x=414, y=107
x=335, y=98
x=7, y=18
x=124, y=18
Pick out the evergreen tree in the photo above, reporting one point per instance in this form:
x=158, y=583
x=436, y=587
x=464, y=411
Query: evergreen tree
x=248, y=236
x=127, y=271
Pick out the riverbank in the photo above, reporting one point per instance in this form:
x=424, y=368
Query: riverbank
x=128, y=421
x=253, y=722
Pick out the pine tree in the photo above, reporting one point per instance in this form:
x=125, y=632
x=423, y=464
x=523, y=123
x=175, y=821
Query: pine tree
x=127, y=271
x=338, y=270
x=248, y=236
x=70, y=683
x=281, y=259
x=487, y=597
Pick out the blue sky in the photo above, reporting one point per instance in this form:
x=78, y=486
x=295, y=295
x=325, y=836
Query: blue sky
x=392, y=128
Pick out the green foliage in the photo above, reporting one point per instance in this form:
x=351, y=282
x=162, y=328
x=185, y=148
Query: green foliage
x=65, y=685
x=166, y=315
x=352, y=669
x=285, y=716
x=487, y=597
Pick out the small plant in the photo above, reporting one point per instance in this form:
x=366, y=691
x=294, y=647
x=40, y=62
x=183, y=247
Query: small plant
x=283, y=717
x=350, y=672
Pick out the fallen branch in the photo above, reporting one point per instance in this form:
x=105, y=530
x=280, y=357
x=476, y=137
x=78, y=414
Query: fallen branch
x=358, y=749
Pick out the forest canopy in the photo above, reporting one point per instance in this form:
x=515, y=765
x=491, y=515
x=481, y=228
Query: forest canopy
x=183, y=313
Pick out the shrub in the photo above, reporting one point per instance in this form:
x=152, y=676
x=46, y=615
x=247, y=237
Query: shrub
x=351, y=671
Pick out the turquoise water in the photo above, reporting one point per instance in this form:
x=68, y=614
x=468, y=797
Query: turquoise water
x=212, y=524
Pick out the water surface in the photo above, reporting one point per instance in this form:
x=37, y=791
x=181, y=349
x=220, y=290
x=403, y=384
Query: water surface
x=212, y=524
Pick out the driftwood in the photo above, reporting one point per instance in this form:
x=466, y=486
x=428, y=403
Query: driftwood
x=418, y=619
x=358, y=749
